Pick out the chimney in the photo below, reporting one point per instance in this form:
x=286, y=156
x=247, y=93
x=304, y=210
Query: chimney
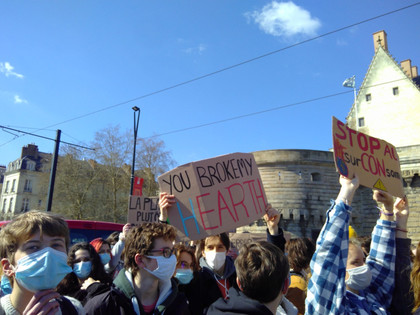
x=379, y=38
x=406, y=66
x=30, y=150
x=414, y=71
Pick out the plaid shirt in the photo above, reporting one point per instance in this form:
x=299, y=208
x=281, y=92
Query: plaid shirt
x=327, y=292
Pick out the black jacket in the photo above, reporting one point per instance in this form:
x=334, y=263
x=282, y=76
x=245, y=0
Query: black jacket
x=119, y=300
x=238, y=303
x=204, y=291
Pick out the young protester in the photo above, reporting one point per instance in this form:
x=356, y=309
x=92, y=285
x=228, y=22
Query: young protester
x=111, y=254
x=217, y=273
x=35, y=253
x=88, y=277
x=299, y=256
x=262, y=278
x=186, y=264
x=402, y=299
x=341, y=282
x=145, y=286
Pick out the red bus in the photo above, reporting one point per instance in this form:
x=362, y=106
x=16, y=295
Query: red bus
x=86, y=230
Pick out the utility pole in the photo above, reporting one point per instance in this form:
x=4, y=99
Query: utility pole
x=136, y=128
x=53, y=170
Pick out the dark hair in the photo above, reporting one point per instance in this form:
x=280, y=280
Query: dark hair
x=181, y=248
x=224, y=238
x=70, y=284
x=113, y=238
x=298, y=254
x=262, y=269
x=141, y=240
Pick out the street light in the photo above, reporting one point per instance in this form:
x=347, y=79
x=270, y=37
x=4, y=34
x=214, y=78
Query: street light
x=136, y=128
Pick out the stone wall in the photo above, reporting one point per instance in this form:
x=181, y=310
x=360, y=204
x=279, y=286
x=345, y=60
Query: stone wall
x=301, y=183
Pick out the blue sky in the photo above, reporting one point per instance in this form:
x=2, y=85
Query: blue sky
x=65, y=59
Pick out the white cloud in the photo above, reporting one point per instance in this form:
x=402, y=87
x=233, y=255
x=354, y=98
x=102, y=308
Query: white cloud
x=19, y=100
x=7, y=69
x=196, y=49
x=285, y=19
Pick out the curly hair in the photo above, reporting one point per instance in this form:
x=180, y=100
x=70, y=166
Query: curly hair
x=70, y=284
x=415, y=278
x=140, y=240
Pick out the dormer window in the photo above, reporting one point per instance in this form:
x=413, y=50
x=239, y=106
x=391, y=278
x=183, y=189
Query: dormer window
x=395, y=91
x=368, y=97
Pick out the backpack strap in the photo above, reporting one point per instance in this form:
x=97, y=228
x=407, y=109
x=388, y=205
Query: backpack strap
x=66, y=306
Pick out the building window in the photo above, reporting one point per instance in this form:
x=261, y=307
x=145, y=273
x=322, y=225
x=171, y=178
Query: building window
x=28, y=186
x=361, y=122
x=13, y=185
x=368, y=97
x=395, y=90
x=6, y=188
x=25, y=205
x=10, y=204
x=39, y=203
x=316, y=177
x=4, y=205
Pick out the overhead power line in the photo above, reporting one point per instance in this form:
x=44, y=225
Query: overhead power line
x=32, y=134
x=226, y=69
x=266, y=110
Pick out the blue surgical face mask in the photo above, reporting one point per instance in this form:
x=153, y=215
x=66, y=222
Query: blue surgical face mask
x=105, y=258
x=42, y=270
x=359, y=277
x=184, y=275
x=82, y=269
x=6, y=286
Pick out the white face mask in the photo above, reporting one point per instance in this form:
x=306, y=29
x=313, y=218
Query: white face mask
x=166, y=267
x=359, y=277
x=215, y=260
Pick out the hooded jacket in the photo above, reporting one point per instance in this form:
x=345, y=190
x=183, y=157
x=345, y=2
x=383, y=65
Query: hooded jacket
x=206, y=289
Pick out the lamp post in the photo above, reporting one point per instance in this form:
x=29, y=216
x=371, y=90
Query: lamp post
x=136, y=128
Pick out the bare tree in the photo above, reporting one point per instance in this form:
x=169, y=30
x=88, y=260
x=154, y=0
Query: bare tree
x=112, y=152
x=76, y=176
x=152, y=160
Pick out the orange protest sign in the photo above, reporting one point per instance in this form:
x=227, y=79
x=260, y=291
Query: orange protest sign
x=375, y=161
x=214, y=195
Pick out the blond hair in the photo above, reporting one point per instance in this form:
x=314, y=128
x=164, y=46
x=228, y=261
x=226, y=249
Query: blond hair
x=24, y=226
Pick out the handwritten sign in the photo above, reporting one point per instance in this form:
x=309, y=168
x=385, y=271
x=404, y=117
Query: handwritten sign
x=143, y=210
x=214, y=195
x=375, y=161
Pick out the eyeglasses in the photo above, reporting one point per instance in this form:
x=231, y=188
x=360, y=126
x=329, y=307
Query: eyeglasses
x=166, y=251
x=184, y=265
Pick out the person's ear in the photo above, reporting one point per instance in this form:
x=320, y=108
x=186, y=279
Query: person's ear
x=139, y=260
x=238, y=283
x=7, y=267
x=286, y=285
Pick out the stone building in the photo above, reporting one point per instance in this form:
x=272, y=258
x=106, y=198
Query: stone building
x=300, y=183
x=24, y=184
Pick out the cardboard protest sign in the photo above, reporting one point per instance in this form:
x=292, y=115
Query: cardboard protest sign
x=214, y=195
x=143, y=210
x=375, y=161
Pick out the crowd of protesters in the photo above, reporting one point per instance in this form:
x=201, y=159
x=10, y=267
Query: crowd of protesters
x=142, y=270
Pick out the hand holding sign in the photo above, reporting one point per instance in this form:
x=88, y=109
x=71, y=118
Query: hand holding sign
x=401, y=214
x=214, y=195
x=272, y=218
x=375, y=161
x=165, y=203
